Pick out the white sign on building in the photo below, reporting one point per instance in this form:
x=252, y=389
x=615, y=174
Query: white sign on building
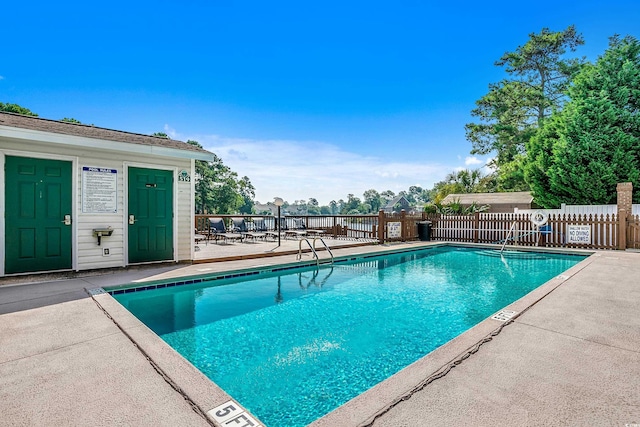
x=579, y=234
x=99, y=190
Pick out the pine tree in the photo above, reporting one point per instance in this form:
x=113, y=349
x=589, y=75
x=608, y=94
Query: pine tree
x=594, y=143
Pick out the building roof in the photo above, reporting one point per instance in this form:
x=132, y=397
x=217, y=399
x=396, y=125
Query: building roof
x=396, y=200
x=517, y=197
x=89, y=131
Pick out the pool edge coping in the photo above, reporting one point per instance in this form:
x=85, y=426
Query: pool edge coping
x=205, y=395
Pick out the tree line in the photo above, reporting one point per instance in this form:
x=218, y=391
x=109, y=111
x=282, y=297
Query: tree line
x=563, y=128
x=371, y=202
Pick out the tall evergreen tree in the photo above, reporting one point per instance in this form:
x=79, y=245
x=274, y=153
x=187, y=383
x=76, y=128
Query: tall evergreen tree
x=594, y=143
x=539, y=161
x=514, y=108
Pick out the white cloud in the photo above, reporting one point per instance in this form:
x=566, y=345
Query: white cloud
x=472, y=160
x=297, y=170
x=171, y=132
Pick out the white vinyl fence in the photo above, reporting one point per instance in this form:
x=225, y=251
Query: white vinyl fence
x=581, y=210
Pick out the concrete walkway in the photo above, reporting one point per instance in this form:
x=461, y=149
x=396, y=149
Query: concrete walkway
x=573, y=358
x=64, y=362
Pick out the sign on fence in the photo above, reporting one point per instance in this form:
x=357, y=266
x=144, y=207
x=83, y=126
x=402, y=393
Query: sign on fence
x=580, y=234
x=394, y=230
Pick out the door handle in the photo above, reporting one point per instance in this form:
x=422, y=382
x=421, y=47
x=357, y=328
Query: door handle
x=67, y=220
x=132, y=219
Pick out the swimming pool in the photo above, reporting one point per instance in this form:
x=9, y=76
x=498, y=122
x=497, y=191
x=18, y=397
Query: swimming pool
x=293, y=345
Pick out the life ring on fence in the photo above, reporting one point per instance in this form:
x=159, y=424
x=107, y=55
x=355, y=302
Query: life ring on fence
x=539, y=218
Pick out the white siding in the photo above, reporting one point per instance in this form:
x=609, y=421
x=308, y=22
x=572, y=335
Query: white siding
x=86, y=252
x=582, y=210
x=184, y=212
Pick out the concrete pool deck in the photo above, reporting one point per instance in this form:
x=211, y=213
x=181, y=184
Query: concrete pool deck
x=572, y=357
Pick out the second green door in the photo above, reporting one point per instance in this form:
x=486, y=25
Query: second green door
x=150, y=216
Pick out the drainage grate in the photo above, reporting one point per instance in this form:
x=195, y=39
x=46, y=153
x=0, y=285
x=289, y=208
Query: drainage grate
x=504, y=315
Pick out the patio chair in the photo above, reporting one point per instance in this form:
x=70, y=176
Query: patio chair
x=217, y=231
x=240, y=226
x=282, y=230
x=259, y=225
x=299, y=229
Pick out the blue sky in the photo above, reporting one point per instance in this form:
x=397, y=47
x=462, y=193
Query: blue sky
x=308, y=99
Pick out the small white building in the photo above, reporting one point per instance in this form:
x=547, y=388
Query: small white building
x=498, y=202
x=79, y=197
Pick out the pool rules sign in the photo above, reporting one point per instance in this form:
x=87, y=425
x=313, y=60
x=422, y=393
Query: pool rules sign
x=99, y=190
x=579, y=234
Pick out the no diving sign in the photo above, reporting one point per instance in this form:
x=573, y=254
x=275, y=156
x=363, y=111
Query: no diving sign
x=579, y=234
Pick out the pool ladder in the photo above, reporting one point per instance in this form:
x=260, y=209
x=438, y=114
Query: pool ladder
x=513, y=226
x=511, y=230
x=313, y=249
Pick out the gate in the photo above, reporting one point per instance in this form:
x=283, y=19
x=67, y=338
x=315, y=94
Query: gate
x=633, y=232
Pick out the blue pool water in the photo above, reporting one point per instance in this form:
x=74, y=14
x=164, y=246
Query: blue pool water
x=294, y=345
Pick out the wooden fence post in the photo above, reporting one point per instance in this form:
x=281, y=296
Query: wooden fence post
x=624, y=202
x=403, y=225
x=476, y=226
x=381, y=226
x=622, y=229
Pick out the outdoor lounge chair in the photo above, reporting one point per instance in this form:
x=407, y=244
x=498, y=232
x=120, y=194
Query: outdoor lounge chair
x=299, y=230
x=278, y=230
x=300, y=225
x=259, y=225
x=217, y=231
x=240, y=226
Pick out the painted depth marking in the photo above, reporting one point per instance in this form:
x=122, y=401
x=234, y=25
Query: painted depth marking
x=232, y=414
x=96, y=291
x=504, y=315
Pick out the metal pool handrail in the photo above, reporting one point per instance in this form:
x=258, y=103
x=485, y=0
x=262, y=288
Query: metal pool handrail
x=313, y=249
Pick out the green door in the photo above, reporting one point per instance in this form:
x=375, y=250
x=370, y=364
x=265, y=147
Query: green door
x=150, y=215
x=37, y=215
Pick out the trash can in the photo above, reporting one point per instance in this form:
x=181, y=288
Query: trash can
x=424, y=231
